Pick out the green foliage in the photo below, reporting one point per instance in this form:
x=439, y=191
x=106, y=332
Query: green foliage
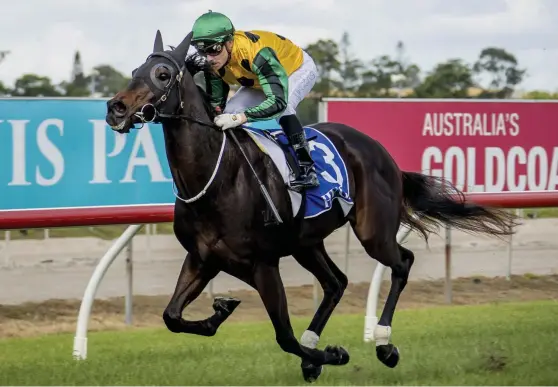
x=104, y=81
x=496, y=344
x=539, y=94
x=108, y=81
x=495, y=74
x=325, y=53
x=349, y=67
x=32, y=85
x=3, y=89
x=451, y=79
x=501, y=68
x=307, y=111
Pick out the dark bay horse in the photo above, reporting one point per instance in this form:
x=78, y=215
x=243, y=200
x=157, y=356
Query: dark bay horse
x=219, y=218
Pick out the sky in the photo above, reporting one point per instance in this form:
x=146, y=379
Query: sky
x=43, y=35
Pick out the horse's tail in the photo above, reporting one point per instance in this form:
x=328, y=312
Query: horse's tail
x=435, y=200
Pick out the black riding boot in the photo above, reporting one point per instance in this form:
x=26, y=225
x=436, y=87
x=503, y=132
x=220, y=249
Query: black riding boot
x=307, y=177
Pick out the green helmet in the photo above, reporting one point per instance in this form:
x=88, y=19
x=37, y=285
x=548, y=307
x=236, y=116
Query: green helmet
x=212, y=27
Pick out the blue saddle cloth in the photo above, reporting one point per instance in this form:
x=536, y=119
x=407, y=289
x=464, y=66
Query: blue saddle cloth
x=330, y=168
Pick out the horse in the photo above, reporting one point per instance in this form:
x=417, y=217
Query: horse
x=220, y=213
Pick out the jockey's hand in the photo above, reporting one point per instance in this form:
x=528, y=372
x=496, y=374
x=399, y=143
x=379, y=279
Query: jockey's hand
x=227, y=121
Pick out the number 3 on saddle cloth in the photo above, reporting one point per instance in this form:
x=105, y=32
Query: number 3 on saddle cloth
x=330, y=168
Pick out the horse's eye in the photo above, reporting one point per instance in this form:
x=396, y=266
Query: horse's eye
x=163, y=76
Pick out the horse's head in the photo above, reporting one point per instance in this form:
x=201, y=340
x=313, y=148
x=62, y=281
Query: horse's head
x=155, y=88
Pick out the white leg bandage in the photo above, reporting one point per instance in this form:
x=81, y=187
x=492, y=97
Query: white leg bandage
x=309, y=339
x=382, y=335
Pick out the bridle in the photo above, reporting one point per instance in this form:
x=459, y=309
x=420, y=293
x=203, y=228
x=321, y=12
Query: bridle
x=156, y=115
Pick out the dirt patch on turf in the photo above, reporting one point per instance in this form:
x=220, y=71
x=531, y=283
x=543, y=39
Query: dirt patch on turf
x=55, y=316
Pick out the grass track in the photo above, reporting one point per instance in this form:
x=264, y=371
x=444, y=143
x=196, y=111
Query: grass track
x=498, y=344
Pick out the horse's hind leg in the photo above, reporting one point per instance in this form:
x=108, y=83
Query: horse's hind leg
x=386, y=352
x=193, y=278
x=333, y=282
x=389, y=253
x=376, y=224
x=268, y=283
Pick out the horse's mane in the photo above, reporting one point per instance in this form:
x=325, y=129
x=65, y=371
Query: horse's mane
x=206, y=104
x=194, y=64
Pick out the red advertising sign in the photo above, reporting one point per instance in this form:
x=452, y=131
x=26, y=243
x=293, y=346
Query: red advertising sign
x=481, y=146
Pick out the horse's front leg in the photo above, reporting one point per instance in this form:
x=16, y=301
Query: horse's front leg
x=193, y=278
x=268, y=283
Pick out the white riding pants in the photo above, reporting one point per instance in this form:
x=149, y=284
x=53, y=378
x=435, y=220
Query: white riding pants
x=301, y=82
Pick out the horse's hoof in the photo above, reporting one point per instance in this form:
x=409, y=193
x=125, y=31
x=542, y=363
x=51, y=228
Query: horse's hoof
x=225, y=305
x=388, y=354
x=310, y=372
x=339, y=355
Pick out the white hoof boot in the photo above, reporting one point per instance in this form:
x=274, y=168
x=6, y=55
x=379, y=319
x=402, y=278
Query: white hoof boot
x=309, y=339
x=382, y=335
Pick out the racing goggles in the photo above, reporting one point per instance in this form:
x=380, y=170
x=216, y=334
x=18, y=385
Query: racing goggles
x=213, y=49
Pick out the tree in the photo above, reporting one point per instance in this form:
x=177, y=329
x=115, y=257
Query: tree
x=307, y=111
x=451, y=79
x=410, y=71
x=78, y=85
x=325, y=54
x=386, y=73
x=32, y=85
x=377, y=81
x=500, y=67
x=349, y=66
x=539, y=94
x=4, y=91
x=106, y=80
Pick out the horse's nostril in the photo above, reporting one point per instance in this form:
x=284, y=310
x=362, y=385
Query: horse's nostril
x=119, y=108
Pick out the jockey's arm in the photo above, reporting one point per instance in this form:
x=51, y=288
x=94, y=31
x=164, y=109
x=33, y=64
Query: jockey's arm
x=217, y=89
x=274, y=81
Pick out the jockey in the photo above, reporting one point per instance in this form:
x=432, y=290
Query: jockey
x=274, y=75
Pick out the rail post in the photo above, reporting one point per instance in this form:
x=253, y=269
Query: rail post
x=80, y=339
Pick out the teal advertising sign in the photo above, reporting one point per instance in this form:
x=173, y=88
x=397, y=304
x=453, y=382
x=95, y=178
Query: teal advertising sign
x=60, y=153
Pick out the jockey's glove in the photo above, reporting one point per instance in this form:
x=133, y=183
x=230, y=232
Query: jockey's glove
x=227, y=121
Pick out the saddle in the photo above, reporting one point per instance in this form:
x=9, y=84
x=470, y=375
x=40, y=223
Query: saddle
x=329, y=165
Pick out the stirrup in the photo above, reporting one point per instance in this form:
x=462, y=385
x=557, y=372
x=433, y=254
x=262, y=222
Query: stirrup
x=307, y=179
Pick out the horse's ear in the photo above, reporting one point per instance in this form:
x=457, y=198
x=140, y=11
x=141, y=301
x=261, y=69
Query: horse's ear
x=158, y=45
x=182, y=49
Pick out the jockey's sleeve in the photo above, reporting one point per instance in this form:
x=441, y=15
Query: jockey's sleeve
x=217, y=89
x=274, y=81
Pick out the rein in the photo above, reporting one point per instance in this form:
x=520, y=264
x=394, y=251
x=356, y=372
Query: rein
x=156, y=115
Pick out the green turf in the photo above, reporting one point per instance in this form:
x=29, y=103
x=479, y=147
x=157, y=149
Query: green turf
x=549, y=212
x=498, y=344
x=103, y=232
